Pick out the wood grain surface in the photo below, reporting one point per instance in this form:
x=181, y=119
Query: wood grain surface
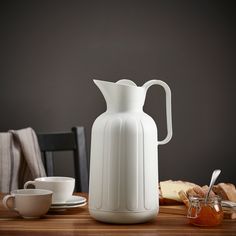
x=182, y=210
x=174, y=209
x=77, y=221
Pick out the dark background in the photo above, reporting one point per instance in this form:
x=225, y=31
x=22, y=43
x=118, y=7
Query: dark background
x=50, y=52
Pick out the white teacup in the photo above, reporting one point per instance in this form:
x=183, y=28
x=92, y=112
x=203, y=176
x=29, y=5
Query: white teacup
x=29, y=203
x=62, y=187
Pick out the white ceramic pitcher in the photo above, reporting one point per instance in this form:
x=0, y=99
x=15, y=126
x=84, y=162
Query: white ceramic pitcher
x=124, y=162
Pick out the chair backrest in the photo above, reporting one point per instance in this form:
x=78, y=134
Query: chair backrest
x=67, y=141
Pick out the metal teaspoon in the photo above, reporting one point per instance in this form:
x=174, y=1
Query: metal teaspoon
x=214, y=176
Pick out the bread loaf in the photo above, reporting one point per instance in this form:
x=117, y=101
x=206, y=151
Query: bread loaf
x=184, y=198
x=198, y=191
x=226, y=191
x=169, y=190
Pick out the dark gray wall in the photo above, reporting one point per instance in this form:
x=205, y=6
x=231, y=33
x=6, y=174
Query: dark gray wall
x=51, y=50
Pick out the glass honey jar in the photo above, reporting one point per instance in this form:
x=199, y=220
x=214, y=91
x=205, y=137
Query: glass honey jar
x=205, y=213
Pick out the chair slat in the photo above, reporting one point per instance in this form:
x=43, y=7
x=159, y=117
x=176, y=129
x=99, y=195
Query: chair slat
x=82, y=162
x=49, y=163
x=57, y=141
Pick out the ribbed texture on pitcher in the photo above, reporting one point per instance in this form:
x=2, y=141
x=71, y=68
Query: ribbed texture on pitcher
x=123, y=164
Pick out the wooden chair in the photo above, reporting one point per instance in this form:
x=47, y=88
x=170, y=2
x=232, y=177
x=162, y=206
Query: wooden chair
x=67, y=141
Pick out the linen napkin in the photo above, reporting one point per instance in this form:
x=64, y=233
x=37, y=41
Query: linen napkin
x=20, y=159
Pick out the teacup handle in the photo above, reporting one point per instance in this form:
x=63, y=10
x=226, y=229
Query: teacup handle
x=5, y=202
x=28, y=183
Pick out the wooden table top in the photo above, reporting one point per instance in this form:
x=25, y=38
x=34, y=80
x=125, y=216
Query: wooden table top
x=77, y=221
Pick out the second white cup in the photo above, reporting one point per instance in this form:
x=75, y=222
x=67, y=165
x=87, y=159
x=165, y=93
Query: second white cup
x=29, y=203
x=62, y=187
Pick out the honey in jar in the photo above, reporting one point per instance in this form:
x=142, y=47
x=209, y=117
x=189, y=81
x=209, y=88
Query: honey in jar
x=205, y=213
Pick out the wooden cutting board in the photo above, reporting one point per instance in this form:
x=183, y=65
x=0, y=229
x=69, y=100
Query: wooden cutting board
x=174, y=209
x=182, y=210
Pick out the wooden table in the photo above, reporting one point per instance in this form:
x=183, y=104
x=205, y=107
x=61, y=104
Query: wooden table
x=77, y=221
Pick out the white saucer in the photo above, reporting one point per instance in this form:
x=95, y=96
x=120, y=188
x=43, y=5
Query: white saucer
x=64, y=207
x=73, y=200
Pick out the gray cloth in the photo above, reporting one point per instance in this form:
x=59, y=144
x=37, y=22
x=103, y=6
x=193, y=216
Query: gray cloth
x=20, y=159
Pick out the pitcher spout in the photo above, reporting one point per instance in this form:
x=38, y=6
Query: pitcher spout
x=106, y=88
x=122, y=95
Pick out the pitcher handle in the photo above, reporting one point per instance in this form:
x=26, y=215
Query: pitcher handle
x=168, y=107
